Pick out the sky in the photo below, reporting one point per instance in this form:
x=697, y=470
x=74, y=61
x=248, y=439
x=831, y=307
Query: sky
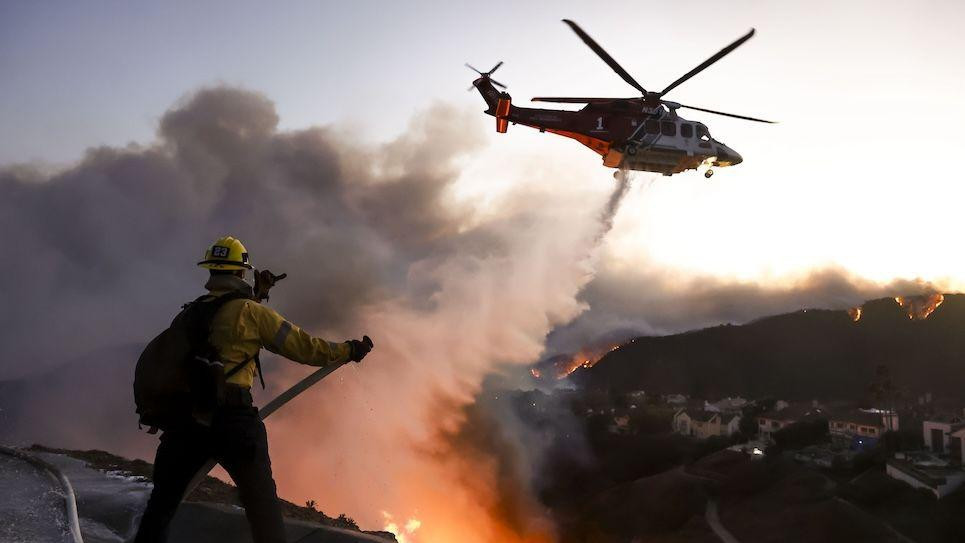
x=346, y=128
x=858, y=176
x=67, y=63
x=867, y=94
x=861, y=174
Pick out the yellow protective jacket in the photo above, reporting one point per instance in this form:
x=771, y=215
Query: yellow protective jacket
x=242, y=327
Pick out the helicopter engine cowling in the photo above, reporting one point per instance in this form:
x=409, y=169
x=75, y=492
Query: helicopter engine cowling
x=503, y=106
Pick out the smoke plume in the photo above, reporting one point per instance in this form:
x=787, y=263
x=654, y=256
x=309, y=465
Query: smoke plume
x=373, y=240
x=665, y=303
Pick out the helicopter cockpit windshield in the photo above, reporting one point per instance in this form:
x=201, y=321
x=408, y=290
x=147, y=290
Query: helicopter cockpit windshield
x=703, y=135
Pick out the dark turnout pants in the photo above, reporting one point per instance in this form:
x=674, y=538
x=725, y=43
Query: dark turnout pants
x=238, y=441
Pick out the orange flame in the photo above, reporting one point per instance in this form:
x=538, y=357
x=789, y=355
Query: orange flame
x=404, y=533
x=920, y=307
x=535, y=372
x=855, y=313
x=586, y=358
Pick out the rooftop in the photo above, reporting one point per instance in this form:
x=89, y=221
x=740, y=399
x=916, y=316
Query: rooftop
x=859, y=416
x=700, y=414
x=931, y=473
x=948, y=418
x=793, y=413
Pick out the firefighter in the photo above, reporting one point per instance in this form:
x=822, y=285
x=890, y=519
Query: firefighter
x=235, y=437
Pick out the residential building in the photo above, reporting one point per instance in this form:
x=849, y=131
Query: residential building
x=682, y=422
x=702, y=424
x=944, y=436
x=926, y=471
x=776, y=419
x=956, y=449
x=862, y=428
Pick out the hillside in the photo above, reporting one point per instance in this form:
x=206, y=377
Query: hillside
x=112, y=491
x=808, y=354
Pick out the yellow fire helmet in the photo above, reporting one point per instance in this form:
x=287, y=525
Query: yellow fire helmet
x=226, y=253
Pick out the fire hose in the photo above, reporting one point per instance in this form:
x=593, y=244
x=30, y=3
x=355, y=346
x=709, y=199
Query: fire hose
x=270, y=408
x=70, y=501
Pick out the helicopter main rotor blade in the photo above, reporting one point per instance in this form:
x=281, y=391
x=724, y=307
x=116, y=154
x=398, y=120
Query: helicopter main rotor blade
x=720, y=54
x=473, y=69
x=496, y=67
x=726, y=114
x=494, y=82
x=605, y=56
x=560, y=100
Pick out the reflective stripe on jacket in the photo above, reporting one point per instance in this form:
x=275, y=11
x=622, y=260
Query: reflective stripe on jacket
x=242, y=327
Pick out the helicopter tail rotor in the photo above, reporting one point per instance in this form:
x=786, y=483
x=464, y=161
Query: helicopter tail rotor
x=499, y=102
x=488, y=74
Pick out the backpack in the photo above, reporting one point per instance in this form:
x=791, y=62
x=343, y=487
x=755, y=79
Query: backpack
x=179, y=375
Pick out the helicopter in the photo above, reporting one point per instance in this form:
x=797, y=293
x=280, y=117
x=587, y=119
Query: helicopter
x=642, y=133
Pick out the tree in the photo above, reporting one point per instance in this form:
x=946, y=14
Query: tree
x=801, y=434
x=884, y=393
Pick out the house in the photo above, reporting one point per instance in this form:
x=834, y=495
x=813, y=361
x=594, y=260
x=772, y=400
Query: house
x=702, y=424
x=682, y=422
x=944, y=436
x=861, y=428
x=776, y=419
x=926, y=471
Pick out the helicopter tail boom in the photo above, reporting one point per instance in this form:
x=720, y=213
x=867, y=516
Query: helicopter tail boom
x=500, y=103
x=488, y=93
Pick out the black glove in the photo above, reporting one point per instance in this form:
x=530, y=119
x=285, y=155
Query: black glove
x=264, y=280
x=360, y=348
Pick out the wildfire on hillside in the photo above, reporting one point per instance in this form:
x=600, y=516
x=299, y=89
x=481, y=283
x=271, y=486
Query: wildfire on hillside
x=585, y=358
x=855, y=313
x=920, y=307
x=402, y=532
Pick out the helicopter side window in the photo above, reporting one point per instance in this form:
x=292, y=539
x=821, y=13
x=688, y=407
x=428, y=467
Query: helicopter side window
x=652, y=126
x=687, y=130
x=668, y=128
x=702, y=133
